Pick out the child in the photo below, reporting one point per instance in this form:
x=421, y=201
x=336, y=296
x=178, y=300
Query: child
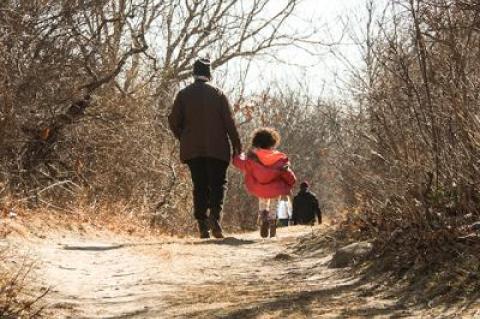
x=267, y=176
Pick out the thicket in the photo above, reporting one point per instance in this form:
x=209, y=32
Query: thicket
x=414, y=169
x=85, y=88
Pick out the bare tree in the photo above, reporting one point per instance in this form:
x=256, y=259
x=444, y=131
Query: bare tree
x=415, y=174
x=224, y=29
x=85, y=86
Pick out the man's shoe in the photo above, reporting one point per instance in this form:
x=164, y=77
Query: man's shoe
x=216, y=229
x=203, y=229
x=204, y=235
x=218, y=234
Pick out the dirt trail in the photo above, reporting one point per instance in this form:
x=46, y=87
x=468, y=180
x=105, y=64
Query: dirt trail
x=238, y=277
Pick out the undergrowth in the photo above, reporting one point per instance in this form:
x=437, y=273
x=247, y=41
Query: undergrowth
x=16, y=300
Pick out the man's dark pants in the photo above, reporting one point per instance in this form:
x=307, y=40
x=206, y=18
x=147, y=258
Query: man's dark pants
x=209, y=177
x=282, y=222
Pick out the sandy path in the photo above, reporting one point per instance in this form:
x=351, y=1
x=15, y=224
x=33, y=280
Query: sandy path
x=238, y=277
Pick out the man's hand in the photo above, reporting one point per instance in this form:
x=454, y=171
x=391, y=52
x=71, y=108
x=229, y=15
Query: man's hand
x=237, y=150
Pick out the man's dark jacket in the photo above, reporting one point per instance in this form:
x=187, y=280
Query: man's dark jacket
x=305, y=207
x=202, y=120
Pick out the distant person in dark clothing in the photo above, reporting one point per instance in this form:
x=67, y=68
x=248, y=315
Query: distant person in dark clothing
x=305, y=207
x=202, y=120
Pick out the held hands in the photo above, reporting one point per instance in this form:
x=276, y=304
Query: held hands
x=237, y=150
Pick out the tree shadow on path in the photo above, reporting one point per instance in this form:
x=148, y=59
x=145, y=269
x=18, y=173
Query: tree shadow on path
x=331, y=301
x=230, y=241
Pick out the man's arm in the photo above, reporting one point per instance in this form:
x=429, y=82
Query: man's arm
x=175, y=119
x=317, y=209
x=230, y=125
x=239, y=163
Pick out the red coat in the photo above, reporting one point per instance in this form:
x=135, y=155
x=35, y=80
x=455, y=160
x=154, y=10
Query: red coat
x=266, y=181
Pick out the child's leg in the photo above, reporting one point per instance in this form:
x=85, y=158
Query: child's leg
x=263, y=205
x=272, y=218
x=263, y=214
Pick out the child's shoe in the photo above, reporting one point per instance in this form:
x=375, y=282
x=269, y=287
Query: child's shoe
x=264, y=223
x=273, y=228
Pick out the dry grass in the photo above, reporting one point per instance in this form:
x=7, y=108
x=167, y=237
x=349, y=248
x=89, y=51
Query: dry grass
x=415, y=174
x=115, y=218
x=445, y=286
x=16, y=300
x=448, y=279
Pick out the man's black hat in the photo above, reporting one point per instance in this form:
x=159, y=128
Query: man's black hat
x=201, y=67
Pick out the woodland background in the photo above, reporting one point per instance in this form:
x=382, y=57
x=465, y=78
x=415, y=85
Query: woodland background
x=85, y=88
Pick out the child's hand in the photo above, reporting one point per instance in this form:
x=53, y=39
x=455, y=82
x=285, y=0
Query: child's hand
x=237, y=150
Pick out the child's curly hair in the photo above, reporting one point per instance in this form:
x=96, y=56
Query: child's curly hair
x=265, y=137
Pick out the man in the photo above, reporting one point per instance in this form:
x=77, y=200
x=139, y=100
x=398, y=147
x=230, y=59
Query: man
x=305, y=207
x=202, y=120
